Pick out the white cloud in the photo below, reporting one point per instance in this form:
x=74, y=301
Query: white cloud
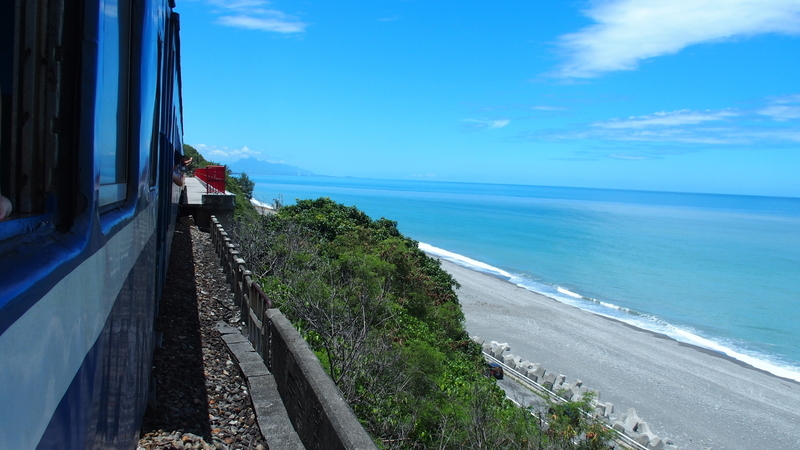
x=488, y=124
x=253, y=15
x=687, y=129
x=783, y=99
x=787, y=134
x=737, y=134
x=629, y=157
x=783, y=108
x=781, y=113
x=548, y=108
x=225, y=154
x=667, y=119
x=696, y=136
x=628, y=31
x=262, y=23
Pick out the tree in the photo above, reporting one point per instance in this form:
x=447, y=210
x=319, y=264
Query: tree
x=243, y=209
x=570, y=425
x=246, y=185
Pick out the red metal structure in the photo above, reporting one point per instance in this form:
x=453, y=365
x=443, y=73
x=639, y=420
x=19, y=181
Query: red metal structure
x=213, y=177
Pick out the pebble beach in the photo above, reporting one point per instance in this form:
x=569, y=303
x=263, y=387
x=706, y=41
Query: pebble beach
x=695, y=398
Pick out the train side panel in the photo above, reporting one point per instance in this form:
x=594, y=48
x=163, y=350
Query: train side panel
x=90, y=139
x=95, y=325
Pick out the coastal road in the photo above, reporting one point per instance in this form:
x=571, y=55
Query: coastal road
x=520, y=394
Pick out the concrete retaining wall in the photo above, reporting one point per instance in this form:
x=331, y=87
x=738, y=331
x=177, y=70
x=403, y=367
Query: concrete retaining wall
x=315, y=406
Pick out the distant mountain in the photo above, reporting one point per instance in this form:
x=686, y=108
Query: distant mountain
x=255, y=167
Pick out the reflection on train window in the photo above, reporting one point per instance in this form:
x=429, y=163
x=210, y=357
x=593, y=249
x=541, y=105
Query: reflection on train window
x=40, y=54
x=6, y=77
x=111, y=140
x=154, y=142
x=39, y=42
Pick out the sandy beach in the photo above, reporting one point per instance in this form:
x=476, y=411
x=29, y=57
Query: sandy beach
x=696, y=398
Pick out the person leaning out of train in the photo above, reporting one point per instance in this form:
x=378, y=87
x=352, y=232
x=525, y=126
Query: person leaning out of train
x=5, y=208
x=181, y=166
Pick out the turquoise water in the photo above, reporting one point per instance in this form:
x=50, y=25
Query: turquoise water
x=719, y=271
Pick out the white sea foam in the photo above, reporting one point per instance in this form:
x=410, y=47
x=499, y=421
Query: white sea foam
x=756, y=360
x=463, y=260
x=613, y=306
x=607, y=309
x=260, y=204
x=568, y=292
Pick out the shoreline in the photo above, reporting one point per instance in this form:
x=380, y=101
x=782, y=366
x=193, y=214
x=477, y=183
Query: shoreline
x=500, y=275
x=699, y=348
x=697, y=397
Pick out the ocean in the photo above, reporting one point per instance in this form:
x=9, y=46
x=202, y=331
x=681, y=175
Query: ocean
x=717, y=271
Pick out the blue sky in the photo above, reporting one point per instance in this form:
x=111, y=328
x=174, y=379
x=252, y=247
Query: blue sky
x=679, y=95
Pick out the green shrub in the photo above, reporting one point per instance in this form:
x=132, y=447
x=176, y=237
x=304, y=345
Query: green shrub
x=385, y=321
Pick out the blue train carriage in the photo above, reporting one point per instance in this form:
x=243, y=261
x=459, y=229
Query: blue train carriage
x=91, y=125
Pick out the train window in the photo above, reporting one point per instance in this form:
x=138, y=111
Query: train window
x=28, y=143
x=39, y=46
x=6, y=77
x=154, y=143
x=111, y=131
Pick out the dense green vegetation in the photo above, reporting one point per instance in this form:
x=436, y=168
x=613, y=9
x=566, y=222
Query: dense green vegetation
x=246, y=185
x=244, y=209
x=385, y=322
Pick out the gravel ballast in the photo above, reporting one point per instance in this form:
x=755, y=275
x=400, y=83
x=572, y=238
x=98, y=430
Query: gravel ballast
x=201, y=400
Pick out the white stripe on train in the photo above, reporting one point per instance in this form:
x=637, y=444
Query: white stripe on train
x=44, y=349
